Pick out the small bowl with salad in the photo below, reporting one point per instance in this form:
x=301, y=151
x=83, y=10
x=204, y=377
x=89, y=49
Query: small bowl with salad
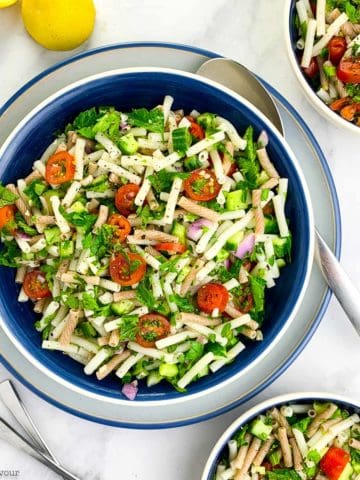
x=323, y=44
x=156, y=236
x=298, y=436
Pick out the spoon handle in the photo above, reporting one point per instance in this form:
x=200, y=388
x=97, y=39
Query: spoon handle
x=337, y=279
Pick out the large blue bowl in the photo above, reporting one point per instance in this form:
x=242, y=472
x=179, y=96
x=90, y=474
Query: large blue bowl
x=220, y=449
x=127, y=89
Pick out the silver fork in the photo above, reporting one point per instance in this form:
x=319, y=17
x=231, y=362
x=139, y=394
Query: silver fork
x=38, y=448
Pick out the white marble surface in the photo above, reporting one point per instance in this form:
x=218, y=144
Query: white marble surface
x=252, y=32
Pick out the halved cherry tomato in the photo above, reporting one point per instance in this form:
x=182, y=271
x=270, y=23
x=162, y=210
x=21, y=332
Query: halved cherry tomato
x=348, y=70
x=124, y=198
x=195, y=129
x=152, y=327
x=127, y=268
x=312, y=70
x=340, y=103
x=123, y=227
x=35, y=285
x=202, y=185
x=170, y=248
x=337, y=47
x=245, y=301
x=211, y=296
x=334, y=462
x=60, y=168
x=7, y=214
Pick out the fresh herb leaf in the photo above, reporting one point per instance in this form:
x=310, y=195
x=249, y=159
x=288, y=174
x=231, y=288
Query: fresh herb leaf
x=194, y=353
x=128, y=326
x=152, y=120
x=184, y=303
x=250, y=150
x=50, y=271
x=181, y=138
x=283, y=474
x=353, y=90
x=302, y=425
x=33, y=192
x=84, y=221
x=20, y=223
x=6, y=197
x=217, y=349
x=9, y=254
x=162, y=180
x=257, y=286
x=239, y=436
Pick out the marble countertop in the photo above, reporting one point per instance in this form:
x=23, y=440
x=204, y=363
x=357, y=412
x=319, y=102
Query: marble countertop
x=251, y=32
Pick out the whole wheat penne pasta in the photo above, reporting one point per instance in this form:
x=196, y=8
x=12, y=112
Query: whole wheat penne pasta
x=112, y=364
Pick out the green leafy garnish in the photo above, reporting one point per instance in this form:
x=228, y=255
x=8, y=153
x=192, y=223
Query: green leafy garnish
x=184, y=303
x=33, y=192
x=9, y=254
x=163, y=180
x=152, y=120
x=283, y=474
x=257, y=286
x=84, y=221
x=6, y=197
x=128, y=326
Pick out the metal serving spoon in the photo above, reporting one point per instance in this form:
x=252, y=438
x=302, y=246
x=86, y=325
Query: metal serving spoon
x=239, y=79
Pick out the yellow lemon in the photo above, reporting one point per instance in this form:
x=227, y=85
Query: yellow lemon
x=59, y=24
x=7, y=3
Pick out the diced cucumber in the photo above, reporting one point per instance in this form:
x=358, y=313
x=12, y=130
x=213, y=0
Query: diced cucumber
x=66, y=249
x=222, y=255
x=282, y=247
x=123, y=307
x=181, y=139
x=52, y=235
x=233, y=242
x=280, y=262
x=271, y=225
x=77, y=207
x=179, y=231
x=192, y=163
x=260, y=429
x=128, y=145
x=263, y=177
x=236, y=200
x=168, y=370
x=153, y=378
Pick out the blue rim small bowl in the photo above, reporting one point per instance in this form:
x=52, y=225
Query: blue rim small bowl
x=133, y=88
x=291, y=37
x=220, y=448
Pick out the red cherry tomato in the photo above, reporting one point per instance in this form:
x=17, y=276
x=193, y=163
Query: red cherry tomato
x=348, y=70
x=337, y=47
x=7, y=214
x=202, y=185
x=334, y=462
x=124, y=198
x=152, y=327
x=35, y=285
x=195, y=129
x=312, y=70
x=170, y=248
x=60, y=168
x=211, y=296
x=127, y=269
x=123, y=227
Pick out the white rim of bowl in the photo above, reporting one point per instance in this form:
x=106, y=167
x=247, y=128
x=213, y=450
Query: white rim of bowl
x=269, y=125
x=310, y=93
x=257, y=409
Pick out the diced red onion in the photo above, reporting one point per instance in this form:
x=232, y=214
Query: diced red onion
x=227, y=263
x=195, y=229
x=246, y=246
x=130, y=390
x=23, y=236
x=263, y=138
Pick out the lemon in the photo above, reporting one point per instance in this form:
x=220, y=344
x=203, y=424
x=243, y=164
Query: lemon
x=7, y=3
x=59, y=24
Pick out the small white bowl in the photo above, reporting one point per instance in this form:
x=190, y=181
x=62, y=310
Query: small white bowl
x=298, y=397
x=315, y=101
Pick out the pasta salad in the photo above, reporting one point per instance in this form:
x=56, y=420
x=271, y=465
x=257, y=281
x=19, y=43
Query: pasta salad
x=146, y=241
x=295, y=442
